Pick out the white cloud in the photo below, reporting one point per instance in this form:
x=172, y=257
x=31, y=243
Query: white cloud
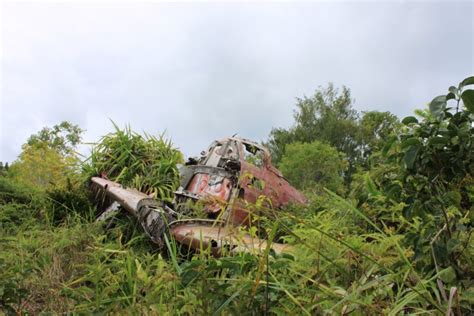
x=205, y=70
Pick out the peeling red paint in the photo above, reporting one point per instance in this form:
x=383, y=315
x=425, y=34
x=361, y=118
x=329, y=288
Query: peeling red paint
x=255, y=177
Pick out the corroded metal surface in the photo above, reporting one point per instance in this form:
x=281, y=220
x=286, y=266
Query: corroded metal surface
x=249, y=171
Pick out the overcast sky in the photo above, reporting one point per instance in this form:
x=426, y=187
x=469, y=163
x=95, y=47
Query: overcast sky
x=203, y=71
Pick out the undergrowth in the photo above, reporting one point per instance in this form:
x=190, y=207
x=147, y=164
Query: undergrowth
x=336, y=267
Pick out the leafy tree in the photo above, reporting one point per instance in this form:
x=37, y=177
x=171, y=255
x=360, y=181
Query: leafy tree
x=43, y=167
x=313, y=165
x=279, y=138
x=63, y=137
x=328, y=116
x=3, y=170
x=437, y=154
x=48, y=159
x=375, y=129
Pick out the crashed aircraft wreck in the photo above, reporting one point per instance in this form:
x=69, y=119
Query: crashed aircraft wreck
x=230, y=174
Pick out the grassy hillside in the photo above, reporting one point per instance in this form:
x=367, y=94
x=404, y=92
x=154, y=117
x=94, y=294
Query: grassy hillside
x=395, y=239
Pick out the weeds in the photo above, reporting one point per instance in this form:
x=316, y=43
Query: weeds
x=79, y=267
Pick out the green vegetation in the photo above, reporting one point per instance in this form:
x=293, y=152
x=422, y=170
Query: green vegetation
x=328, y=117
x=145, y=163
x=388, y=227
x=313, y=165
x=48, y=159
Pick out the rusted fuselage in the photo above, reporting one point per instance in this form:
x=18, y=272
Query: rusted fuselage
x=229, y=176
x=233, y=171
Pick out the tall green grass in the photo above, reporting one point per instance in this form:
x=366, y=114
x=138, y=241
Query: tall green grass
x=335, y=268
x=146, y=163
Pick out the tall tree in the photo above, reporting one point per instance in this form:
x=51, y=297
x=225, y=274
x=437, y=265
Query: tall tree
x=42, y=167
x=329, y=117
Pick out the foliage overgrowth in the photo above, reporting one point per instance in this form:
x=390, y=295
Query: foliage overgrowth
x=399, y=242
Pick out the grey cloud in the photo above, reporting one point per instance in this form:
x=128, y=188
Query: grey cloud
x=206, y=70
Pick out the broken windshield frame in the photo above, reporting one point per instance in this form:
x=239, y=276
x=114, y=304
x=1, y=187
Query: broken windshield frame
x=254, y=155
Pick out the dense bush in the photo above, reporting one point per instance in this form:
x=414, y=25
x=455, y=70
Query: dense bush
x=423, y=189
x=21, y=206
x=72, y=199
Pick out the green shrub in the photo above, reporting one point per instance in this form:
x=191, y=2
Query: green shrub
x=313, y=165
x=13, y=192
x=74, y=199
x=20, y=205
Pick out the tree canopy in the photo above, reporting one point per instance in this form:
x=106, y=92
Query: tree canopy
x=48, y=159
x=63, y=137
x=329, y=117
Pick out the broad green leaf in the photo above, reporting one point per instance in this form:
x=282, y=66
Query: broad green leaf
x=370, y=186
x=410, y=156
x=437, y=106
x=409, y=120
x=447, y=275
x=468, y=99
x=413, y=141
x=453, y=89
x=388, y=144
x=450, y=96
x=467, y=81
x=438, y=140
